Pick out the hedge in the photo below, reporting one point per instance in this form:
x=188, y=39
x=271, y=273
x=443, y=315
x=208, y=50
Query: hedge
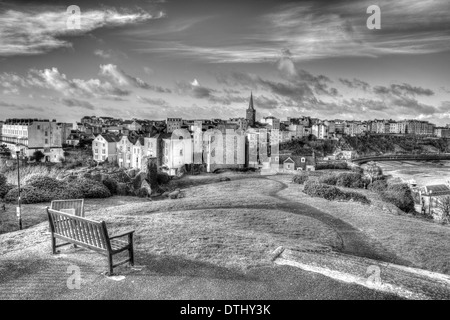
x=41, y=188
x=300, y=178
x=91, y=188
x=328, y=192
x=399, y=195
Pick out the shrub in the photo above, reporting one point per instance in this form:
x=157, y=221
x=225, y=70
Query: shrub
x=111, y=184
x=28, y=194
x=328, y=192
x=91, y=188
x=399, y=195
x=4, y=189
x=162, y=178
x=43, y=182
x=332, y=165
x=378, y=186
x=330, y=179
x=351, y=180
x=300, y=178
x=2, y=180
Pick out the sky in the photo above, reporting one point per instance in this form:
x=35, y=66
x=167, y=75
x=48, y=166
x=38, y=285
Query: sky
x=201, y=59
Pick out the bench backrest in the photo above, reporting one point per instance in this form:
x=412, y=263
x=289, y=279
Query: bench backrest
x=66, y=205
x=81, y=230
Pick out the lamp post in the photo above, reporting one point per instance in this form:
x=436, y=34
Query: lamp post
x=19, y=209
x=429, y=204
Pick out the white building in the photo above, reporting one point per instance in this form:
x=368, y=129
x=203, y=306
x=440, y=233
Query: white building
x=104, y=147
x=34, y=135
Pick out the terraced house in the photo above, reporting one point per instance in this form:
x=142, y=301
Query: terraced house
x=104, y=148
x=33, y=135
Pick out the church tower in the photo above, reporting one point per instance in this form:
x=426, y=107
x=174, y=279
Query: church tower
x=251, y=112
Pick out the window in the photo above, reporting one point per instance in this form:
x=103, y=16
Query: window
x=181, y=152
x=46, y=133
x=96, y=150
x=39, y=127
x=303, y=160
x=289, y=166
x=96, y=156
x=103, y=157
x=46, y=141
x=103, y=151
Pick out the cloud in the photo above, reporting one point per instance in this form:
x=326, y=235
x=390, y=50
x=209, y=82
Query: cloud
x=115, y=87
x=403, y=89
x=78, y=103
x=39, y=30
x=355, y=84
x=154, y=102
x=319, y=30
x=121, y=78
x=21, y=107
x=194, y=89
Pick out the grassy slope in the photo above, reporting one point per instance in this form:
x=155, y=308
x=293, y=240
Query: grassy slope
x=206, y=225
x=425, y=244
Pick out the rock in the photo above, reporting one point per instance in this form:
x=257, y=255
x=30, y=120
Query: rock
x=145, y=185
x=174, y=194
x=131, y=173
x=224, y=179
x=165, y=194
x=143, y=193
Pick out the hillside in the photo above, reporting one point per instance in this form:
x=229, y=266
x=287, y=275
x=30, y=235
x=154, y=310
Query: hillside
x=368, y=145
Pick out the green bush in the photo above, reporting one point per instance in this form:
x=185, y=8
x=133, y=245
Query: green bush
x=378, y=186
x=91, y=188
x=332, y=165
x=4, y=189
x=3, y=180
x=300, y=178
x=399, y=195
x=162, y=178
x=351, y=180
x=28, y=194
x=330, y=179
x=315, y=189
x=43, y=182
x=111, y=184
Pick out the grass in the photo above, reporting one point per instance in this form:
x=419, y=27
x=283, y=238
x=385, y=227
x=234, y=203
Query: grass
x=236, y=224
x=425, y=244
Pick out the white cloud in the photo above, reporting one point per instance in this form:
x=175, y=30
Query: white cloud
x=26, y=33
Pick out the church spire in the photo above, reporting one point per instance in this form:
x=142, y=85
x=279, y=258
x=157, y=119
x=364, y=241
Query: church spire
x=251, y=112
x=250, y=105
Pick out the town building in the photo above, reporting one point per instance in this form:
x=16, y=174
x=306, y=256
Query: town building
x=33, y=135
x=104, y=148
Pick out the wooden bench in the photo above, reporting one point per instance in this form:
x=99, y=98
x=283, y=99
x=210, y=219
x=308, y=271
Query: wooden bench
x=89, y=234
x=73, y=205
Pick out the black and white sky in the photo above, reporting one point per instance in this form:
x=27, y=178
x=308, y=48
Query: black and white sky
x=202, y=58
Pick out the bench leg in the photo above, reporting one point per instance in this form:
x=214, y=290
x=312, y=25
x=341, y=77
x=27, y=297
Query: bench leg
x=110, y=262
x=131, y=249
x=54, y=245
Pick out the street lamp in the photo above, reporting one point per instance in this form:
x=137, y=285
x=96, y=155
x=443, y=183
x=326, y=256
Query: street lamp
x=429, y=204
x=19, y=211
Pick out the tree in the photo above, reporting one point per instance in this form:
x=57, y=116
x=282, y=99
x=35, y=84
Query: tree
x=373, y=170
x=38, y=155
x=443, y=204
x=4, y=150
